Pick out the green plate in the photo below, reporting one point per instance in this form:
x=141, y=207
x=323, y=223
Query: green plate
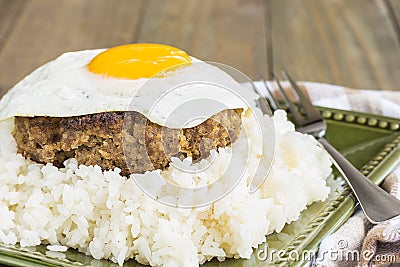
x=370, y=142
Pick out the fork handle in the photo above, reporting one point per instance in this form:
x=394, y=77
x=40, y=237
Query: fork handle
x=378, y=205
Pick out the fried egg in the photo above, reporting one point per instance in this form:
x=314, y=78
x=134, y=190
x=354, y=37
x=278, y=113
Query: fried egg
x=161, y=82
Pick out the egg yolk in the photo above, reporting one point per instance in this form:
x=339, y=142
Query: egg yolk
x=134, y=61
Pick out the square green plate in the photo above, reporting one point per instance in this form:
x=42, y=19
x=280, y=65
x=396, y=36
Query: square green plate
x=370, y=142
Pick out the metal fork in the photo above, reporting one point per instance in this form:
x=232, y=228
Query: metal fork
x=377, y=204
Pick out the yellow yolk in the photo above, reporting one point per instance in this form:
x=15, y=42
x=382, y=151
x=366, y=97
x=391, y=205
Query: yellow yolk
x=134, y=61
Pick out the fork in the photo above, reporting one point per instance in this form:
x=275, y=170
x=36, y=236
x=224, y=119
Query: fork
x=377, y=204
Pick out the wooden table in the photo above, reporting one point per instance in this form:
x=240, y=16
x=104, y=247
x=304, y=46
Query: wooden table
x=354, y=43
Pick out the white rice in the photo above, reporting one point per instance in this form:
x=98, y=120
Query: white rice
x=57, y=248
x=106, y=215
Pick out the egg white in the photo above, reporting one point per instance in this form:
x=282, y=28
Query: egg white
x=184, y=98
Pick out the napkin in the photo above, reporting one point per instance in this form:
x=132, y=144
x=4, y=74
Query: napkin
x=358, y=242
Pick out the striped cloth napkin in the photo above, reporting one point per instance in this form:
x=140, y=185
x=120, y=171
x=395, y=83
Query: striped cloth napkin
x=358, y=242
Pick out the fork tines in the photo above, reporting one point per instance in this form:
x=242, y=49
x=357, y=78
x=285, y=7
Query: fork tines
x=301, y=109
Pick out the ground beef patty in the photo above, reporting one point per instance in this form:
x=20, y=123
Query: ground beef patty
x=96, y=139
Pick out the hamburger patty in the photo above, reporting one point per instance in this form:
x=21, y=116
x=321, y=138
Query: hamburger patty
x=127, y=140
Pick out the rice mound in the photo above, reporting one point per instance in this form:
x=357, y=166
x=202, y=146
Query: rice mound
x=106, y=215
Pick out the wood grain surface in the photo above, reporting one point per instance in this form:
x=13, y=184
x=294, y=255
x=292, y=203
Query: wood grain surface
x=393, y=7
x=396, y=7
x=47, y=28
x=9, y=11
x=344, y=42
x=227, y=31
x=354, y=43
